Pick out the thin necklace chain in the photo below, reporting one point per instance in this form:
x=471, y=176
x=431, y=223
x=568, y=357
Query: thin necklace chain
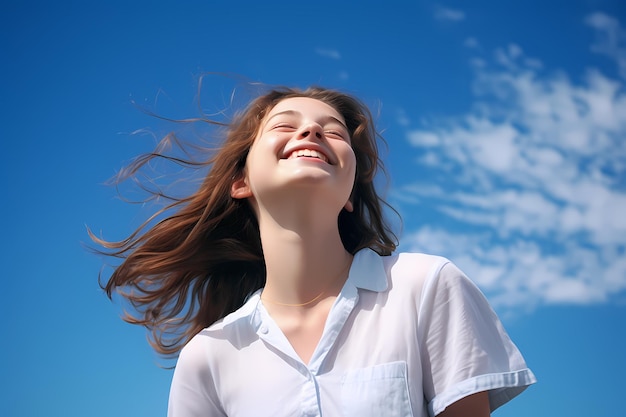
x=308, y=302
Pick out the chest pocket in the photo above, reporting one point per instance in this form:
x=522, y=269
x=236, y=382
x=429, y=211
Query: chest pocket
x=381, y=390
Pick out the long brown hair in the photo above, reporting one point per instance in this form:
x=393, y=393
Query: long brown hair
x=204, y=258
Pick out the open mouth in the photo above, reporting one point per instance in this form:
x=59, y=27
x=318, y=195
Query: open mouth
x=308, y=153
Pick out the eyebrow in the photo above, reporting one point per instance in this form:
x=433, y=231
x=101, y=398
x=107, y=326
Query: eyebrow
x=297, y=113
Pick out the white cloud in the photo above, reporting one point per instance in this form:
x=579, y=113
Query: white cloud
x=446, y=13
x=610, y=38
x=328, y=53
x=534, y=179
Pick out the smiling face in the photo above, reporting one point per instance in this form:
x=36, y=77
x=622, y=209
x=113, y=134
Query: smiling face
x=302, y=143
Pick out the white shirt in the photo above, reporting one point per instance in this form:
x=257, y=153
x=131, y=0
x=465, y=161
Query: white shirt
x=408, y=335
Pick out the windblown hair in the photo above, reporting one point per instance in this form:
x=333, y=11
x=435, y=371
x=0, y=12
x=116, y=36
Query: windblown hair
x=204, y=259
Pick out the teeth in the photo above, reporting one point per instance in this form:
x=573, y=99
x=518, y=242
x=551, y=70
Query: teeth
x=309, y=153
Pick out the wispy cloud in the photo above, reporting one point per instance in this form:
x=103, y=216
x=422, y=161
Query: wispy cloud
x=402, y=118
x=534, y=181
x=446, y=13
x=471, y=43
x=610, y=38
x=328, y=53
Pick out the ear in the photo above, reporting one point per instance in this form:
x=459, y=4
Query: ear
x=239, y=189
x=349, y=206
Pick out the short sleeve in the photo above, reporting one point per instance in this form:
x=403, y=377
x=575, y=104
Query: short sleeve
x=192, y=393
x=464, y=348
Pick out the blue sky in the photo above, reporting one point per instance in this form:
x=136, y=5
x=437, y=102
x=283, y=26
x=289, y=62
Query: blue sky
x=506, y=126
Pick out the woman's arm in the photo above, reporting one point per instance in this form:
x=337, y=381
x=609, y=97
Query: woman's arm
x=475, y=405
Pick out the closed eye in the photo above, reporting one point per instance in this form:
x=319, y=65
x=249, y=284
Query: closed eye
x=283, y=126
x=335, y=134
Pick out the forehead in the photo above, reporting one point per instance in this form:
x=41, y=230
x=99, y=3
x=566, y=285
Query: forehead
x=308, y=107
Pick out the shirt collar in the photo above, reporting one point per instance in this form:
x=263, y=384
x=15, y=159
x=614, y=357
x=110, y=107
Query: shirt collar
x=367, y=272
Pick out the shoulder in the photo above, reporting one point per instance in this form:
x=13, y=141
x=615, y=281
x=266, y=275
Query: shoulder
x=431, y=272
x=410, y=270
x=449, y=293
x=414, y=264
x=401, y=277
x=431, y=280
x=228, y=334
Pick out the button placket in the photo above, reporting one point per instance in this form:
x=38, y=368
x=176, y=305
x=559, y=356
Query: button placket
x=310, y=397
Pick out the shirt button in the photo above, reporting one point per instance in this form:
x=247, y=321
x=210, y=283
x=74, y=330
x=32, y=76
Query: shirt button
x=263, y=329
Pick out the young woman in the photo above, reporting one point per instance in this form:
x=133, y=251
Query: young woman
x=279, y=279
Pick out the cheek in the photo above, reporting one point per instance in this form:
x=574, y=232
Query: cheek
x=258, y=153
x=350, y=159
x=259, y=163
x=265, y=148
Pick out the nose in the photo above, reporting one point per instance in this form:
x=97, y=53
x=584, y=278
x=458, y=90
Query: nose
x=310, y=130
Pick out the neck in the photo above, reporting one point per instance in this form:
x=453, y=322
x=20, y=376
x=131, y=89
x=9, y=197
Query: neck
x=304, y=257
